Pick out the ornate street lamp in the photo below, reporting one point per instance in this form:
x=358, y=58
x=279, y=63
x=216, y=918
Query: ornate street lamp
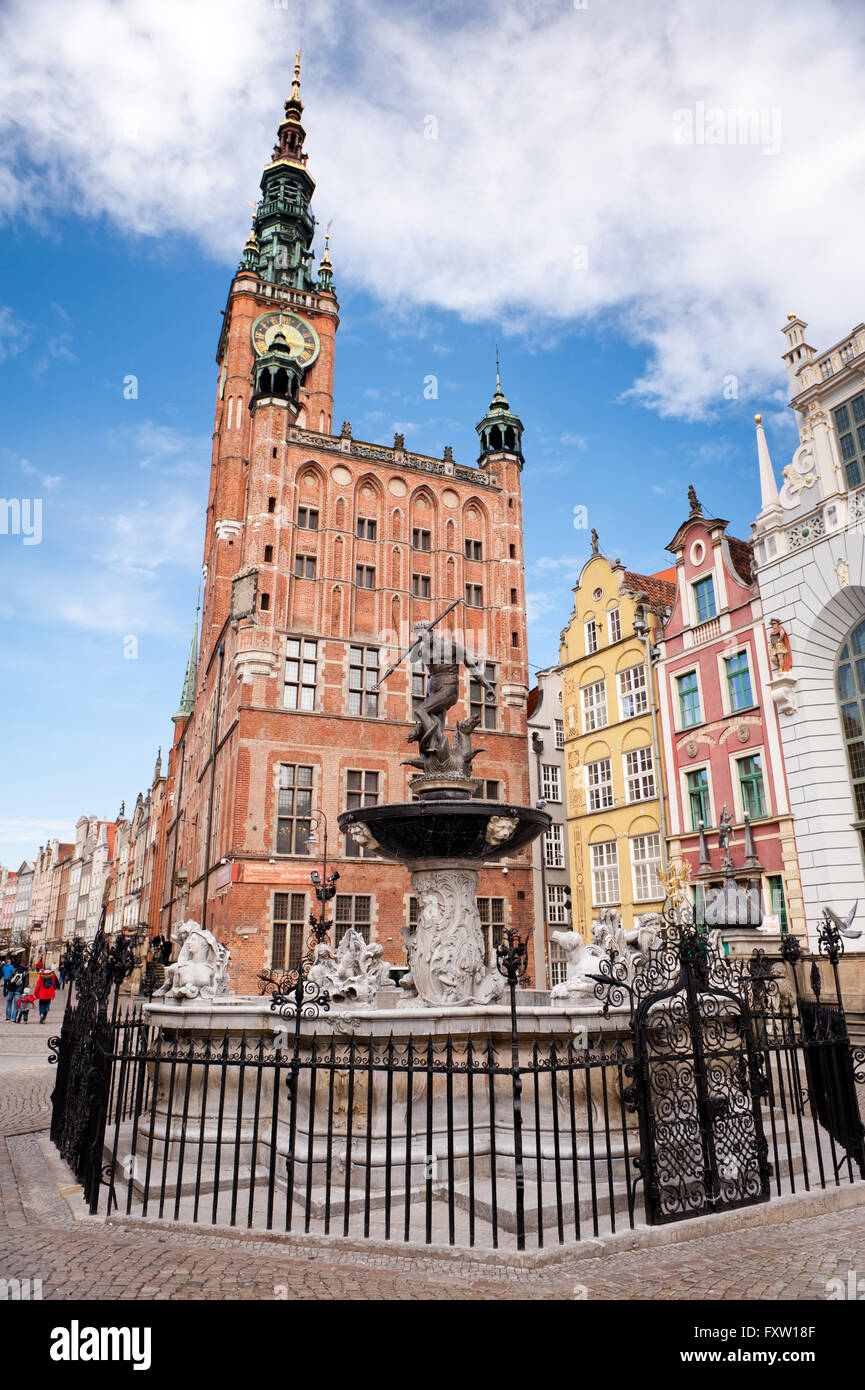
x=323, y=883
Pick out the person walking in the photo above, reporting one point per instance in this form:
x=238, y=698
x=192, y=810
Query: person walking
x=6, y=970
x=61, y=972
x=26, y=999
x=46, y=988
x=15, y=986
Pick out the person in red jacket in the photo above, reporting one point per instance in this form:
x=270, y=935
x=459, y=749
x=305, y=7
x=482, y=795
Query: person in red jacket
x=46, y=988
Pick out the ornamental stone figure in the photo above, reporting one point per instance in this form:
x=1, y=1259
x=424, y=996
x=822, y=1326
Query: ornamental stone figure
x=582, y=963
x=779, y=647
x=201, y=968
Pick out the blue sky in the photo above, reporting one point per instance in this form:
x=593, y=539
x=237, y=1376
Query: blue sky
x=636, y=295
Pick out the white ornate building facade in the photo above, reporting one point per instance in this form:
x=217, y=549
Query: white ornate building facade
x=550, y=866
x=809, y=552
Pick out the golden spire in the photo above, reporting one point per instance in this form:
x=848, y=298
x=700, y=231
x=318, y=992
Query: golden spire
x=295, y=86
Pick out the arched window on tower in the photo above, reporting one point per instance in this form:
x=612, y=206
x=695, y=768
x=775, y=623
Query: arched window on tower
x=495, y=439
x=264, y=386
x=280, y=383
x=510, y=438
x=850, y=687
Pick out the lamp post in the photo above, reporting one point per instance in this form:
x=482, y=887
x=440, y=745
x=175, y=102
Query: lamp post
x=324, y=885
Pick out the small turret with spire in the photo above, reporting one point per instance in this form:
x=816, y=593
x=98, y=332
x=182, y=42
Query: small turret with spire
x=187, y=698
x=500, y=431
x=279, y=248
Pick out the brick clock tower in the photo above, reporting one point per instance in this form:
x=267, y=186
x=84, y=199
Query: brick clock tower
x=320, y=553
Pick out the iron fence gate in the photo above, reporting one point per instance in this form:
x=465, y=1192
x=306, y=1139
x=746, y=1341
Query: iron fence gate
x=720, y=1086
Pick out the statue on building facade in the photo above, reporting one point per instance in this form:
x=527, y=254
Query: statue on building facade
x=779, y=647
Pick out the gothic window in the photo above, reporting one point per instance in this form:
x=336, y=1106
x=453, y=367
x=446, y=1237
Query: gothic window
x=420, y=585
x=420, y=538
x=474, y=596
x=364, y=576
x=366, y=528
x=361, y=790
x=474, y=550
x=294, y=809
x=307, y=518
x=304, y=566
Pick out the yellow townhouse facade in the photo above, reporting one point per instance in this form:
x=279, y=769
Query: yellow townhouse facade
x=614, y=788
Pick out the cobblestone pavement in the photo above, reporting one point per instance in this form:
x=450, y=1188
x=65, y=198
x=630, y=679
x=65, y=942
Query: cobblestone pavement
x=46, y=1235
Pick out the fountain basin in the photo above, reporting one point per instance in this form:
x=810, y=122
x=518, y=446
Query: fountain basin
x=472, y=830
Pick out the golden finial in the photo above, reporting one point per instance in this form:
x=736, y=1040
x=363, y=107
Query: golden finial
x=758, y=419
x=790, y=317
x=295, y=86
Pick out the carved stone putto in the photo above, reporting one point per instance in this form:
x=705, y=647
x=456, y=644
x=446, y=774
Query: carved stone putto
x=201, y=968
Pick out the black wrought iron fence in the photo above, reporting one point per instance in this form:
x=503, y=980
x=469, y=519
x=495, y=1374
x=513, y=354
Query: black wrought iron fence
x=721, y=1085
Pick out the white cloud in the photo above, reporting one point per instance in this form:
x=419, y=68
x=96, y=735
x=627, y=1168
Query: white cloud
x=555, y=132
x=31, y=828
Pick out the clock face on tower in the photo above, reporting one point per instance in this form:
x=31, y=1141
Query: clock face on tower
x=300, y=335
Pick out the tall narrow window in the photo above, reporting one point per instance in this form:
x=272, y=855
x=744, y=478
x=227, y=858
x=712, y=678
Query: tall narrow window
x=704, y=599
x=594, y=707
x=640, y=774
x=614, y=624
x=633, y=696
x=352, y=912
x=557, y=904
x=551, y=789
x=418, y=685
x=698, y=797
x=777, y=900
x=560, y=733
x=689, y=700
x=599, y=784
x=591, y=630
x=481, y=702
x=287, y=931
x=361, y=790
x=554, y=849
x=739, y=681
x=294, y=809
x=301, y=667
x=850, y=686
x=751, y=786
x=492, y=914
x=362, y=680
x=605, y=874
x=646, y=863
x=850, y=429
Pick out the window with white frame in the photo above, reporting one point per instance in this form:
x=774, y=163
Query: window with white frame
x=560, y=733
x=633, y=695
x=599, y=784
x=640, y=774
x=301, y=665
x=645, y=863
x=550, y=783
x=594, y=707
x=614, y=625
x=557, y=904
x=591, y=631
x=554, y=848
x=492, y=914
x=605, y=874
